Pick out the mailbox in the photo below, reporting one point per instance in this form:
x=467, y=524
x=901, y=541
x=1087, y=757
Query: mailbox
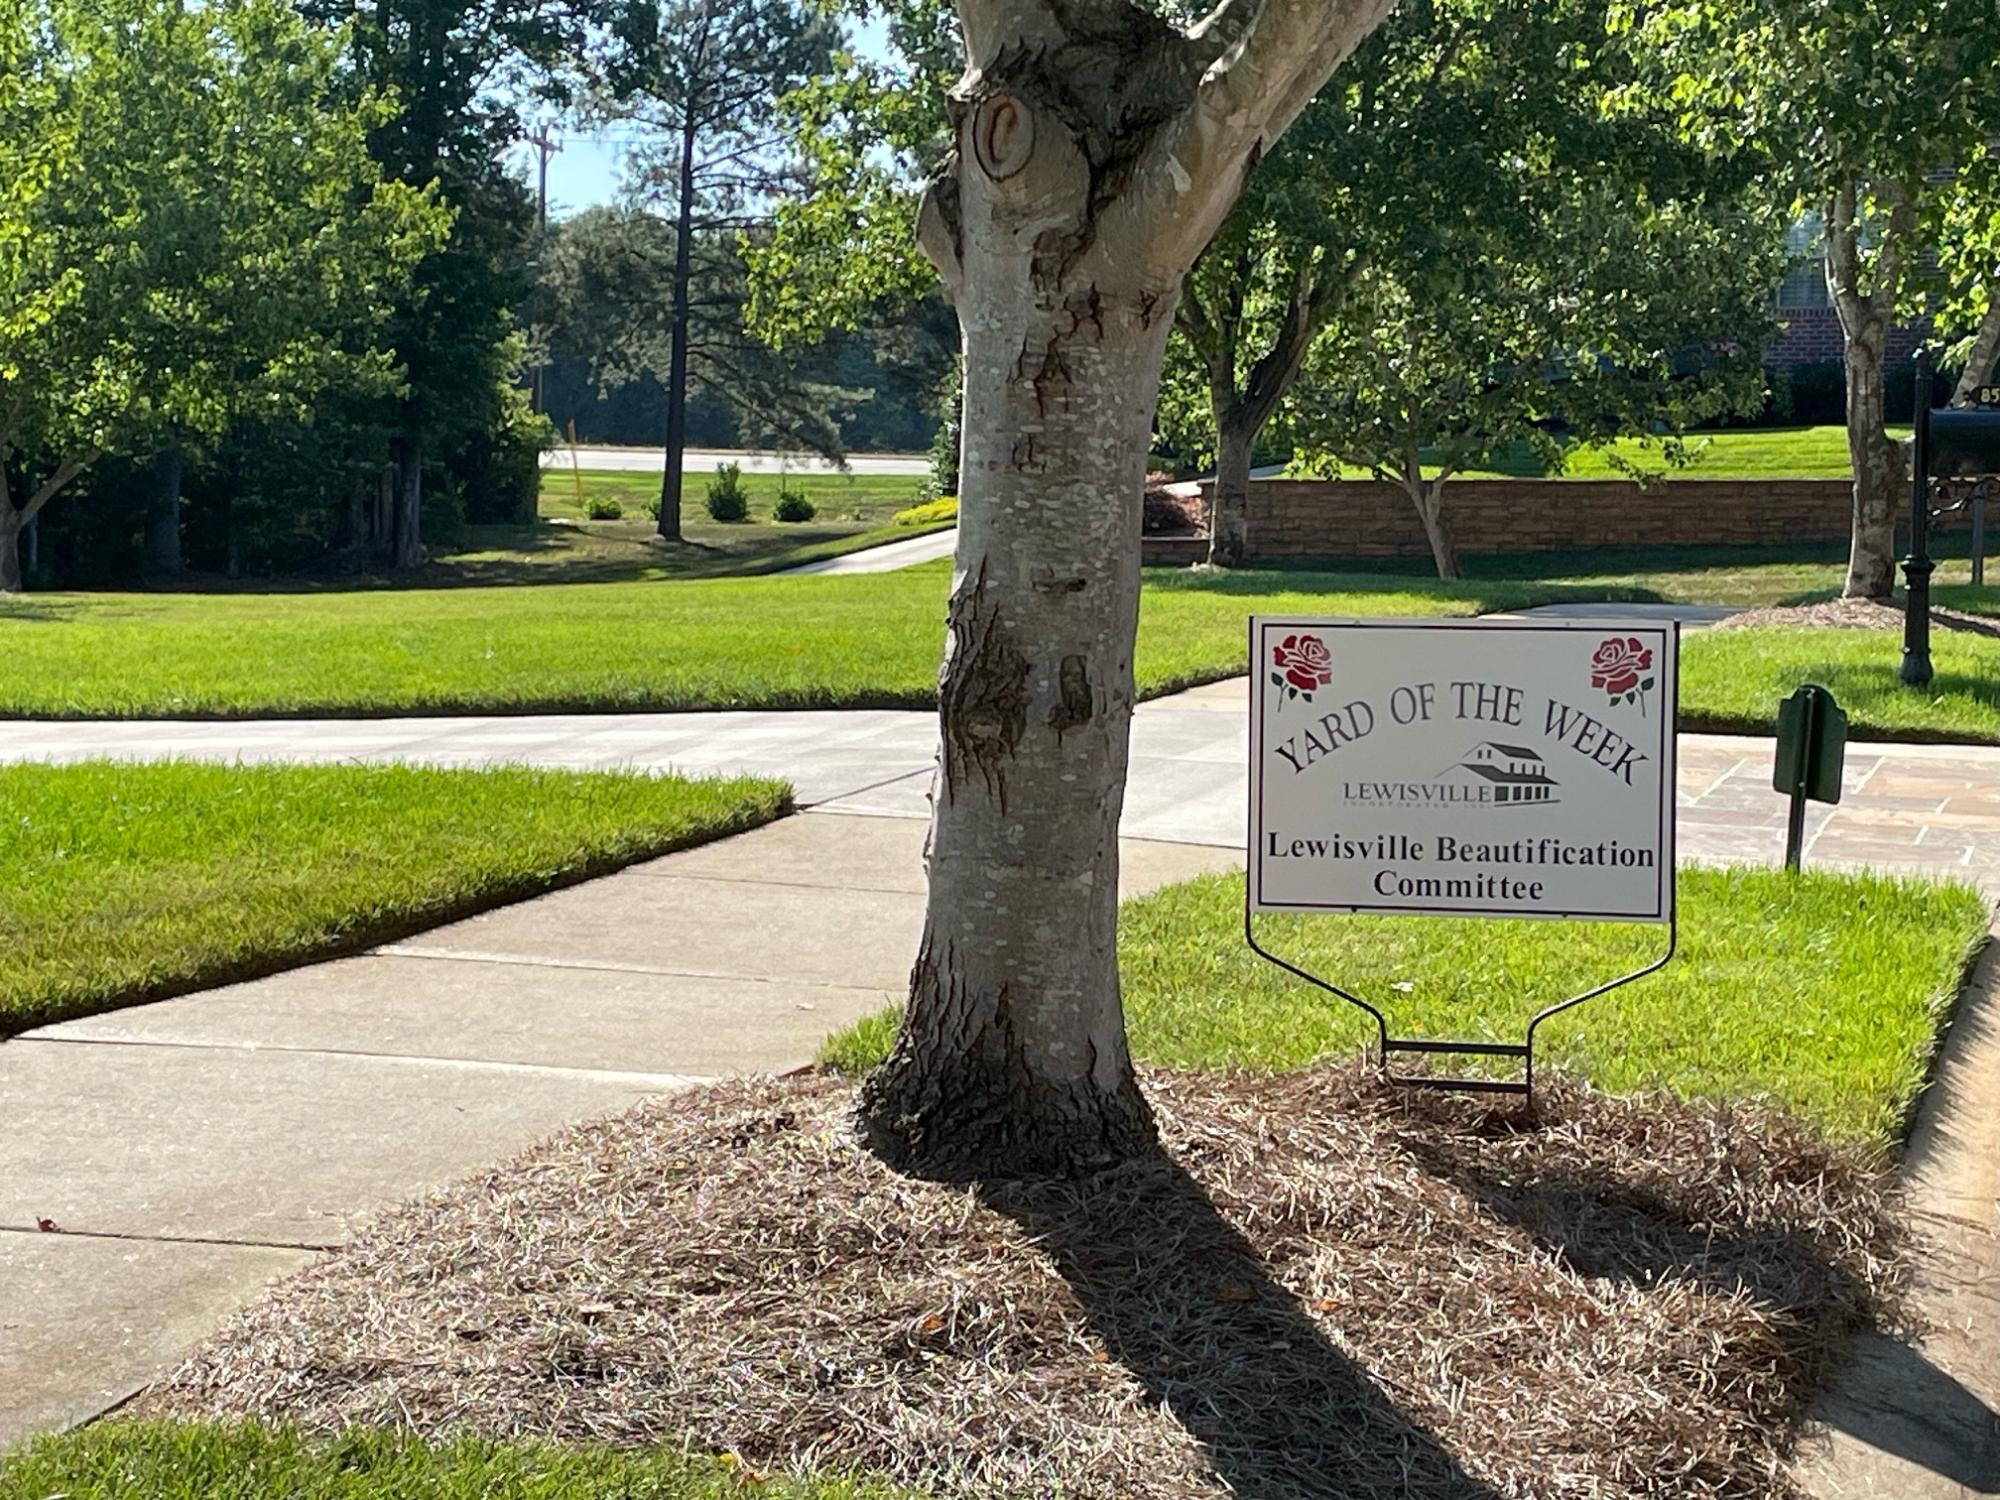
x=1964, y=442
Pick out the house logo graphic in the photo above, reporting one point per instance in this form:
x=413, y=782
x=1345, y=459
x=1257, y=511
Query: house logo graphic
x=1490, y=775
x=1513, y=774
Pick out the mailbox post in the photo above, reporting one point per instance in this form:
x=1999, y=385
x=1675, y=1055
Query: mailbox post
x=1811, y=753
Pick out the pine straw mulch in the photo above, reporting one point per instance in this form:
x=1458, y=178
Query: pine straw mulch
x=1323, y=1289
x=1855, y=614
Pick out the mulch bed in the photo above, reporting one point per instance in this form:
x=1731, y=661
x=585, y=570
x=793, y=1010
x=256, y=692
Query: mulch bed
x=1321, y=1289
x=1856, y=614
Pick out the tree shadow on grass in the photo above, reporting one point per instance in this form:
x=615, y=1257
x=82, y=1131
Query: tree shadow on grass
x=1177, y=1296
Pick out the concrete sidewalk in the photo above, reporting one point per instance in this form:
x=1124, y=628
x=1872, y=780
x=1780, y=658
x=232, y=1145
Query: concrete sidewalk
x=193, y=1150
x=886, y=558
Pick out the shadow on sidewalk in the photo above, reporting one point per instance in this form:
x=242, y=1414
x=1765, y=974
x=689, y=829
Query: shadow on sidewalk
x=1178, y=1297
x=1894, y=1399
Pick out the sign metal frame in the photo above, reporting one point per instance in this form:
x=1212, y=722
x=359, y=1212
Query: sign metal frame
x=1387, y=1046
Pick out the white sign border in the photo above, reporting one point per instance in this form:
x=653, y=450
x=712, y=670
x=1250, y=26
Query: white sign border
x=1668, y=630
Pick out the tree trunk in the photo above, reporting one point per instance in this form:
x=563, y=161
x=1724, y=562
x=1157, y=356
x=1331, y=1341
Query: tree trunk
x=163, y=514
x=1012, y=1057
x=1428, y=495
x=1985, y=352
x=1878, y=468
x=407, y=550
x=10, y=547
x=1229, y=502
x=677, y=353
x=1098, y=149
x=356, y=529
x=382, y=519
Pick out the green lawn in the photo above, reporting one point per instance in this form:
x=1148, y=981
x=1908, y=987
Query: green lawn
x=1822, y=992
x=1730, y=679
x=565, y=546
x=1765, y=453
x=724, y=643
x=124, y=1460
x=122, y=883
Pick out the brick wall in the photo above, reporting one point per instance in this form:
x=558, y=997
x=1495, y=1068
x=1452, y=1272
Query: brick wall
x=1812, y=334
x=1361, y=518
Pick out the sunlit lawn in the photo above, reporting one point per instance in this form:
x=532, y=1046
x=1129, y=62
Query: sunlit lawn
x=122, y=1460
x=724, y=643
x=126, y=882
x=1763, y=453
x=1820, y=992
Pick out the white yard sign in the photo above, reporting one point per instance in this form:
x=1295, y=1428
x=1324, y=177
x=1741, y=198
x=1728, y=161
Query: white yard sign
x=1462, y=767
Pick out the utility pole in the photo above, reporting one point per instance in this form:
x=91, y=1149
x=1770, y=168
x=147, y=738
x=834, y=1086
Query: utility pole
x=546, y=145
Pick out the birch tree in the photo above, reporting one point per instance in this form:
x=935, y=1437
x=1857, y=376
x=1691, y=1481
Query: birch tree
x=1097, y=149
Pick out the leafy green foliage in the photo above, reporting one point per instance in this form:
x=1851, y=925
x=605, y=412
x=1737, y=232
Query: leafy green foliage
x=1514, y=261
x=793, y=506
x=191, y=230
x=604, y=509
x=1843, y=1038
x=125, y=882
x=727, y=499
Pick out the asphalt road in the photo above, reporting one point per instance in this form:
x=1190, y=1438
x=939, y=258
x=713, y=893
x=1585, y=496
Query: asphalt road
x=708, y=460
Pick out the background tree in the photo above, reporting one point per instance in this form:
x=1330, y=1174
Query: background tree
x=608, y=294
x=1862, y=109
x=704, y=80
x=1098, y=148
x=461, y=72
x=191, y=232
x=1587, y=315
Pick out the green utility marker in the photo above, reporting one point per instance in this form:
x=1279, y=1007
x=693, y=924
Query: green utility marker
x=1812, y=749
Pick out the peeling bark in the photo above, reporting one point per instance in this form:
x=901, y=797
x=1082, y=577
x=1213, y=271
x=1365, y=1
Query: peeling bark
x=1864, y=315
x=1985, y=352
x=1428, y=497
x=1098, y=149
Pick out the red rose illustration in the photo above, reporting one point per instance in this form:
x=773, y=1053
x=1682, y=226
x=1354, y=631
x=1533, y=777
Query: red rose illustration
x=1620, y=666
x=1303, y=665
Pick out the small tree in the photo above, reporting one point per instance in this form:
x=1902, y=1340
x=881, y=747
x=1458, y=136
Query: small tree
x=191, y=231
x=608, y=279
x=1582, y=318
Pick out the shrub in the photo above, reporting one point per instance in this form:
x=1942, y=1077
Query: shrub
x=793, y=506
x=1164, y=513
x=604, y=510
x=944, y=508
x=727, y=500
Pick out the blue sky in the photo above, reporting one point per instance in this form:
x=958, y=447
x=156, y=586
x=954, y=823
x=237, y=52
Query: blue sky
x=585, y=171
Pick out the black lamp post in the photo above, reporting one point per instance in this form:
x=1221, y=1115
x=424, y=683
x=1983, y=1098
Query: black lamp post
x=1917, y=567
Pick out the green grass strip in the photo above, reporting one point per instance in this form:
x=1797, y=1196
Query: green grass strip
x=839, y=642
x=1821, y=992
x=122, y=1460
x=121, y=883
